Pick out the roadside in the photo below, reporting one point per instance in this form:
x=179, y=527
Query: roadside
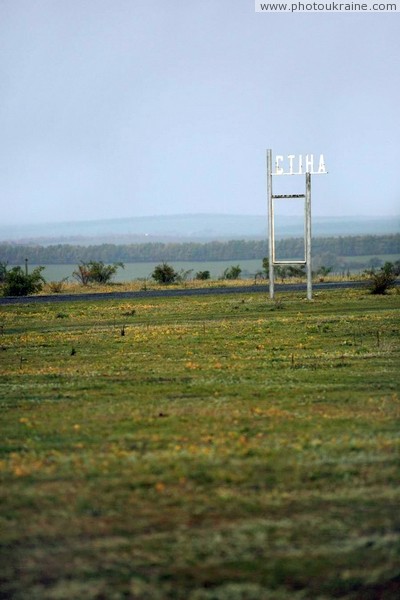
x=171, y=292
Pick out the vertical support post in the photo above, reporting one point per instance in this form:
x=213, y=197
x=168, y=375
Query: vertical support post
x=26, y=267
x=271, y=241
x=308, y=235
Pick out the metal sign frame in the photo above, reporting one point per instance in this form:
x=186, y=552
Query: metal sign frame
x=271, y=227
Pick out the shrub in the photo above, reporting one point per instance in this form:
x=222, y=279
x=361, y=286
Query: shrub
x=101, y=273
x=322, y=272
x=56, y=287
x=82, y=274
x=96, y=272
x=281, y=272
x=3, y=272
x=294, y=271
x=284, y=272
x=259, y=275
x=265, y=266
x=164, y=273
x=18, y=283
x=202, y=275
x=183, y=275
x=379, y=282
x=232, y=272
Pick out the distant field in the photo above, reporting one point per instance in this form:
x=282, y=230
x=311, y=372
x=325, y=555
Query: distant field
x=208, y=448
x=365, y=259
x=216, y=268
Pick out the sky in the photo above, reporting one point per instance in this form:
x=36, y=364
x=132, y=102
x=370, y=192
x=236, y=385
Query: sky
x=125, y=108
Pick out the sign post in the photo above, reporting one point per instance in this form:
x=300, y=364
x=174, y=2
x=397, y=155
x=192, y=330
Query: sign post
x=308, y=235
x=271, y=241
x=293, y=166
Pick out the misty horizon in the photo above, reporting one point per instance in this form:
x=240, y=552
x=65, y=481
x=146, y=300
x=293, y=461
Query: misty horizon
x=172, y=216
x=196, y=227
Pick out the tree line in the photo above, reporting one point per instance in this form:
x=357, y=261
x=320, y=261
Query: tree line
x=15, y=282
x=287, y=248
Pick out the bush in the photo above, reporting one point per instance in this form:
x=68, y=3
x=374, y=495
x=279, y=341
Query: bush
x=96, y=272
x=232, y=272
x=18, y=283
x=281, y=272
x=379, y=282
x=284, y=272
x=183, y=275
x=265, y=266
x=164, y=273
x=294, y=271
x=202, y=275
x=259, y=275
x=82, y=274
x=101, y=273
x=56, y=287
x=3, y=272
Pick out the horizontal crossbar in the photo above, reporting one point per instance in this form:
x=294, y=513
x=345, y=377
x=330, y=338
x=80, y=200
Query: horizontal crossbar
x=289, y=196
x=289, y=262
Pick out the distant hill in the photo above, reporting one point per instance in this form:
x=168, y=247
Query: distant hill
x=183, y=228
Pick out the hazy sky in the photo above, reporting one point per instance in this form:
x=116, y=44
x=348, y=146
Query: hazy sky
x=121, y=108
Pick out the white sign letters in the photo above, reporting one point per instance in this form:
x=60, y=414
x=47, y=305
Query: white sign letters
x=299, y=165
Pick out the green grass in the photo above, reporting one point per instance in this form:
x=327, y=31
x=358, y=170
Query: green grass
x=223, y=448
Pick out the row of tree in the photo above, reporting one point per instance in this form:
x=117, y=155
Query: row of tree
x=288, y=248
x=15, y=282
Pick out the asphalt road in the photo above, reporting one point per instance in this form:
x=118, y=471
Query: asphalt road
x=172, y=293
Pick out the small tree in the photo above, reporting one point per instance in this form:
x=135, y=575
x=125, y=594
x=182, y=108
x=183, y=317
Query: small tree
x=265, y=266
x=202, y=275
x=101, y=273
x=379, y=282
x=82, y=274
x=232, y=272
x=19, y=283
x=96, y=272
x=164, y=273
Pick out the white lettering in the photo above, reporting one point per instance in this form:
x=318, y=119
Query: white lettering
x=321, y=166
x=309, y=163
x=293, y=164
x=278, y=169
x=300, y=172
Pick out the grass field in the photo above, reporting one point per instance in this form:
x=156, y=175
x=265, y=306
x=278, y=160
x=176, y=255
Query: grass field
x=210, y=448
